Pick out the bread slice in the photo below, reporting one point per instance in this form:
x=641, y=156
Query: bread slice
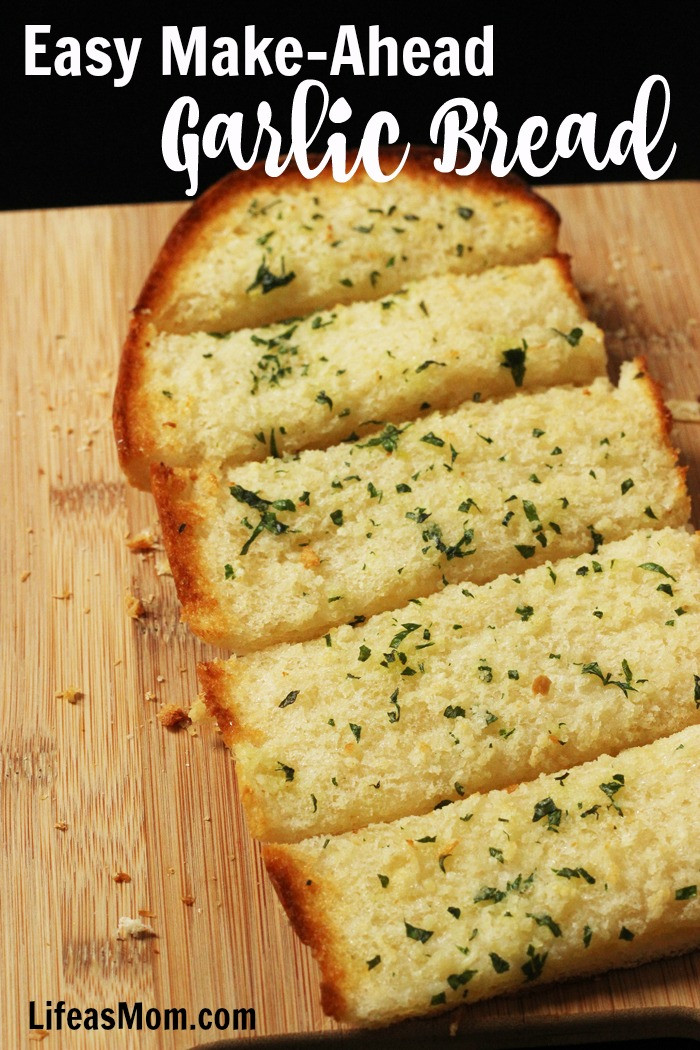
x=285, y=549
x=311, y=382
x=574, y=873
x=254, y=249
x=466, y=690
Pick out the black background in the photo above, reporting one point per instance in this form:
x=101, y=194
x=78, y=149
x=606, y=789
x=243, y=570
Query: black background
x=80, y=140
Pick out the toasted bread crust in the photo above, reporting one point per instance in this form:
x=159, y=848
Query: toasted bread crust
x=213, y=678
x=664, y=423
x=133, y=440
x=563, y=264
x=177, y=518
x=290, y=882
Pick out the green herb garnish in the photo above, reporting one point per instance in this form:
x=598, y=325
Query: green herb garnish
x=416, y=933
x=267, y=281
x=549, y=809
x=514, y=359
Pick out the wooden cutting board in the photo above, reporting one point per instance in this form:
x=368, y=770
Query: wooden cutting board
x=97, y=787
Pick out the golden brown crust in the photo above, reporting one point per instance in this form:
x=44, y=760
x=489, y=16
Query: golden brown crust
x=217, y=679
x=665, y=422
x=213, y=678
x=179, y=519
x=197, y=223
x=563, y=264
x=133, y=439
x=294, y=889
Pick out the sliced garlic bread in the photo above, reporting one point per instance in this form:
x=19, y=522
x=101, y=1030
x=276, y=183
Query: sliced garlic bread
x=285, y=549
x=574, y=873
x=311, y=382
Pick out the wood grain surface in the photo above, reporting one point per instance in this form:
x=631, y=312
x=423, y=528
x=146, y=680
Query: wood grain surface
x=97, y=787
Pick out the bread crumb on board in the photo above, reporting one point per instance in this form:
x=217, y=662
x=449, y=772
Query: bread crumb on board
x=128, y=927
x=24, y=576
x=199, y=713
x=172, y=716
x=71, y=693
x=684, y=411
x=121, y=876
x=61, y=825
x=142, y=541
x=134, y=606
x=162, y=564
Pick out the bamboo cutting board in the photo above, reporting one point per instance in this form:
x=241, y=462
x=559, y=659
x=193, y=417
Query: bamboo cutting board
x=97, y=787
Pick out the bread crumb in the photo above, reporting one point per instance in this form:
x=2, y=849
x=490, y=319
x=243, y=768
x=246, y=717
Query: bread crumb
x=38, y=1035
x=162, y=564
x=309, y=558
x=121, y=876
x=541, y=684
x=134, y=606
x=188, y=900
x=684, y=411
x=172, y=716
x=61, y=825
x=63, y=597
x=148, y=695
x=72, y=694
x=133, y=928
x=199, y=713
x=160, y=678
x=146, y=913
x=141, y=541
x=25, y=575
